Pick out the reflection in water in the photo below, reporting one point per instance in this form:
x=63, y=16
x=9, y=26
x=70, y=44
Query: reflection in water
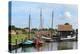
x=65, y=45
x=49, y=47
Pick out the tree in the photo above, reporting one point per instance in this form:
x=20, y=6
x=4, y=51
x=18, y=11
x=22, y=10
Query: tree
x=12, y=27
x=34, y=29
x=45, y=29
x=51, y=29
x=26, y=28
x=66, y=24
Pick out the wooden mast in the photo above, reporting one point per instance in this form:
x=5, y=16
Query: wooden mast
x=52, y=19
x=41, y=26
x=38, y=40
x=29, y=24
x=41, y=23
x=52, y=30
x=52, y=24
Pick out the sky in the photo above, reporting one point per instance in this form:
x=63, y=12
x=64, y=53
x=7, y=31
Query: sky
x=63, y=13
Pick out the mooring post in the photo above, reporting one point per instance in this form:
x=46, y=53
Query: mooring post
x=22, y=44
x=16, y=46
x=76, y=34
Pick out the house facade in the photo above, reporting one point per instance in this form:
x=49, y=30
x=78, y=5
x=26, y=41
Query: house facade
x=65, y=30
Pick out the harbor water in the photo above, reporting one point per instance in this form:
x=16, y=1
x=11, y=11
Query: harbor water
x=50, y=46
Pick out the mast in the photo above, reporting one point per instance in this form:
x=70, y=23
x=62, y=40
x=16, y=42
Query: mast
x=52, y=24
x=52, y=20
x=41, y=23
x=52, y=29
x=41, y=26
x=29, y=24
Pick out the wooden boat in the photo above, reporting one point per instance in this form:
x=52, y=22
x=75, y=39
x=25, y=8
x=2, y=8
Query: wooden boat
x=28, y=43
x=47, y=39
x=68, y=38
x=38, y=42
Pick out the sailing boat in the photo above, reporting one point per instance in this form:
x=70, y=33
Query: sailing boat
x=49, y=39
x=38, y=40
x=29, y=42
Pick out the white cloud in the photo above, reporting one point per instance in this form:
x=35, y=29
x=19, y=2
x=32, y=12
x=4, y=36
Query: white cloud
x=67, y=14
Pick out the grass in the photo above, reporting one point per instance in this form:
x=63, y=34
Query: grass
x=19, y=38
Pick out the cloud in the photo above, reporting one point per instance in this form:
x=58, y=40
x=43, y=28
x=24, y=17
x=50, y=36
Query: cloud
x=67, y=14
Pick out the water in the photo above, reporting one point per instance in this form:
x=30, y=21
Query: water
x=49, y=47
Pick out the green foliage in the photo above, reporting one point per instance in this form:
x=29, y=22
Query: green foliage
x=18, y=37
x=26, y=28
x=34, y=29
x=66, y=24
x=51, y=29
x=12, y=27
